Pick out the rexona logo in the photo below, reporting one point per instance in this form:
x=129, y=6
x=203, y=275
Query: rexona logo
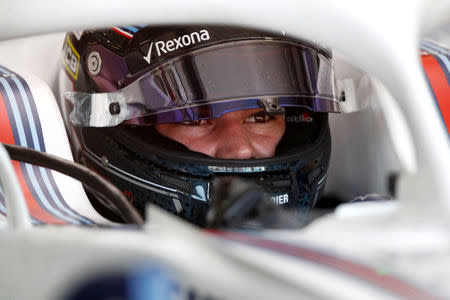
x=71, y=59
x=280, y=199
x=163, y=47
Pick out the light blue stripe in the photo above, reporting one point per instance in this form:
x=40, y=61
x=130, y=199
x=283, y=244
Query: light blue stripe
x=2, y=207
x=445, y=60
x=34, y=134
x=423, y=46
x=57, y=200
x=427, y=47
x=29, y=114
x=435, y=47
x=41, y=194
x=23, y=142
x=4, y=70
x=131, y=28
x=15, y=109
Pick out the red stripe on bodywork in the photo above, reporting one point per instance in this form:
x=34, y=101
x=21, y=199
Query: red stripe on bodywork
x=362, y=272
x=6, y=136
x=439, y=84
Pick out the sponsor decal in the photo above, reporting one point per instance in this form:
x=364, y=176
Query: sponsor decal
x=280, y=199
x=127, y=31
x=301, y=118
x=236, y=169
x=122, y=31
x=164, y=47
x=78, y=34
x=71, y=59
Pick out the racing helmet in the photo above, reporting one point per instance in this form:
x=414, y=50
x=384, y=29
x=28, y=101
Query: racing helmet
x=126, y=79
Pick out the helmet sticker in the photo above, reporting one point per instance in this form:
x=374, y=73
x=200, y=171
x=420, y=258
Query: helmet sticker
x=78, y=34
x=200, y=190
x=304, y=117
x=163, y=47
x=94, y=63
x=71, y=58
x=280, y=199
x=127, y=31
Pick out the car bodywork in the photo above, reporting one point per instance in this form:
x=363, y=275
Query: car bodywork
x=372, y=250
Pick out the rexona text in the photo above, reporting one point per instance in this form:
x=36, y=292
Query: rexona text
x=163, y=47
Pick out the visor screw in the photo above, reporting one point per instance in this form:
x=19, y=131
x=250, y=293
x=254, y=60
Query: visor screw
x=94, y=63
x=114, y=108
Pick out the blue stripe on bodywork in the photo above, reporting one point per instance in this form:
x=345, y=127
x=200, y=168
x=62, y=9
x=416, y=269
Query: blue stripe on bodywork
x=38, y=141
x=25, y=114
x=20, y=139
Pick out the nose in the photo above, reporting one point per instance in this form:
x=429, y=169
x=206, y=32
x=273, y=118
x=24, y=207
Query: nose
x=233, y=141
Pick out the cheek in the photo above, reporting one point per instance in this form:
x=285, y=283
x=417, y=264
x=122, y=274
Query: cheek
x=265, y=139
x=193, y=137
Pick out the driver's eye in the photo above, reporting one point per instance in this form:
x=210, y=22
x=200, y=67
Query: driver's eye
x=195, y=123
x=259, y=117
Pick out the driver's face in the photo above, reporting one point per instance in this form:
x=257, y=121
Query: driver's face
x=236, y=135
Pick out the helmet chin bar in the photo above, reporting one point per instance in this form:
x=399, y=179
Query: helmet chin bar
x=156, y=169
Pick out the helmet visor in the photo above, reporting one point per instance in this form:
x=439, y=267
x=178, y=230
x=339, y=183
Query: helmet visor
x=212, y=81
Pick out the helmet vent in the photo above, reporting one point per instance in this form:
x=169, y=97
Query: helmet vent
x=94, y=63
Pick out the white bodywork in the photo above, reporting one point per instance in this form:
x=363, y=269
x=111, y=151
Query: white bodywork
x=398, y=130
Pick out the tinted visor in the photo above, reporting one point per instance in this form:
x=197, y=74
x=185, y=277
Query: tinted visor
x=209, y=82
